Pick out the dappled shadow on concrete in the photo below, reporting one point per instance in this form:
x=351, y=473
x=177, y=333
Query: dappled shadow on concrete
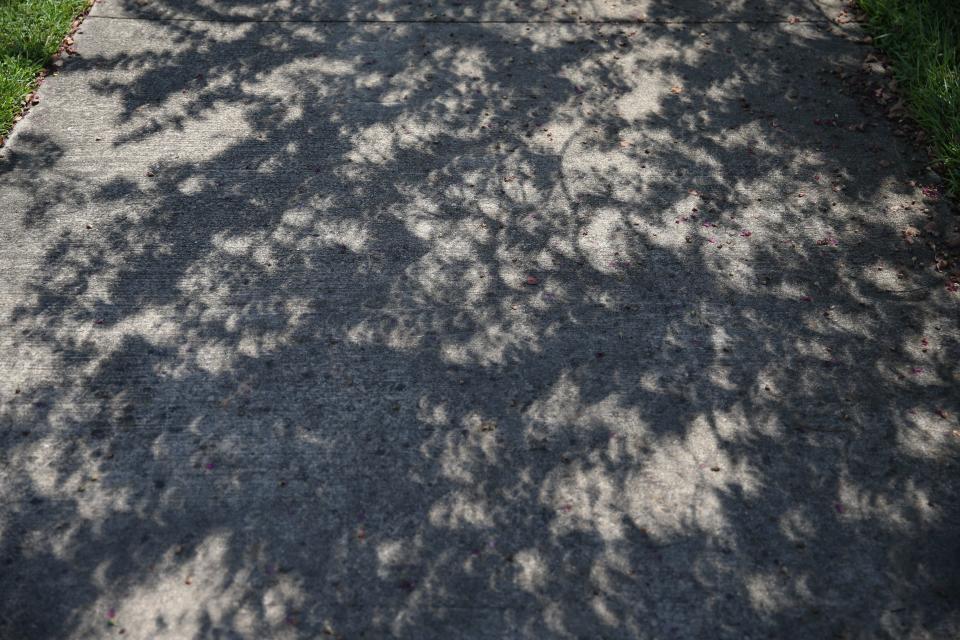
x=487, y=329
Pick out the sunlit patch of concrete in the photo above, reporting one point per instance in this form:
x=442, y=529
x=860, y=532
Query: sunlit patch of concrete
x=458, y=510
x=186, y=593
x=531, y=570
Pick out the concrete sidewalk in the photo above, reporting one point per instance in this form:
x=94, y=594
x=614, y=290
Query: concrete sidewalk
x=476, y=319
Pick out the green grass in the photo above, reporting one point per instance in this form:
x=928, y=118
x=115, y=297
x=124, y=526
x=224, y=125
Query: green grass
x=30, y=33
x=922, y=39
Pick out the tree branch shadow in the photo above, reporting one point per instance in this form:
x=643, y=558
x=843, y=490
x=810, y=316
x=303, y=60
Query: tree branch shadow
x=485, y=328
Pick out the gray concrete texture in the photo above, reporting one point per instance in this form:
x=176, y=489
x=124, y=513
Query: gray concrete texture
x=476, y=319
